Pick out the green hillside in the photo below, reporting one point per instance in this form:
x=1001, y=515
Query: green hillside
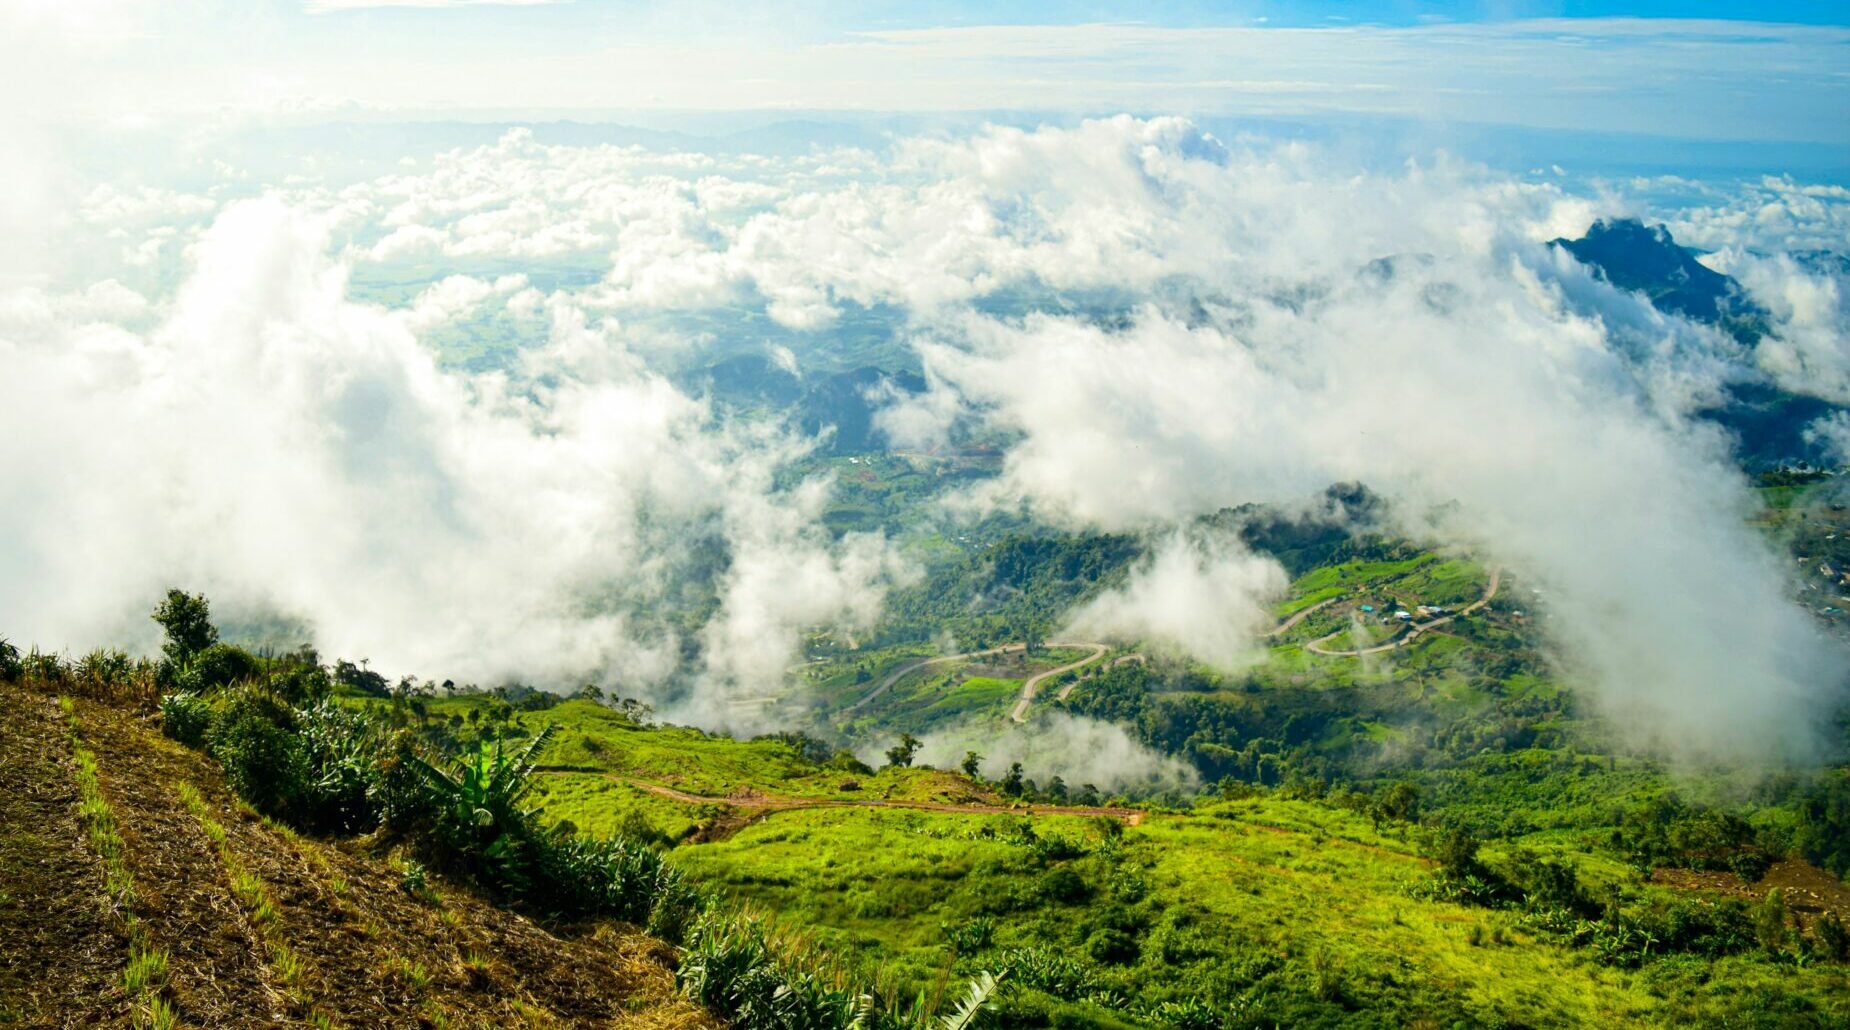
x=1399, y=816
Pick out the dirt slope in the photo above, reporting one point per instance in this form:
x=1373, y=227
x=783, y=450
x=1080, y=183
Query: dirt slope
x=370, y=954
x=61, y=950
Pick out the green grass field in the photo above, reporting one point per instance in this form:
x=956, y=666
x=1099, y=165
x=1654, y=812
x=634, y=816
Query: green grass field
x=1266, y=910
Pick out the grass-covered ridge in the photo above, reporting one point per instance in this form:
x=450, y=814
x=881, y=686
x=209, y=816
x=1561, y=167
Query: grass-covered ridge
x=1434, y=834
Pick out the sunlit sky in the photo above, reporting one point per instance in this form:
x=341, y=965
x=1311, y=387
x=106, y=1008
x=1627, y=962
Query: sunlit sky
x=1701, y=70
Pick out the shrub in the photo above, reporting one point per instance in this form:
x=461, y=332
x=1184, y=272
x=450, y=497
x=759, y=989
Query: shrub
x=732, y=968
x=621, y=878
x=1049, y=971
x=103, y=667
x=1833, y=937
x=185, y=718
x=1064, y=886
x=11, y=668
x=1188, y=1014
x=339, y=746
x=301, y=679
x=1112, y=946
x=253, y=735
x=48, y=670
x=476, y=812
x=969, y=937
x=218, y=666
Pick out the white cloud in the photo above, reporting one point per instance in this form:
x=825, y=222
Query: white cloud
x=1808, y=350
x=1076, y=749
x=1201, y=597
x=289, y=451
x=1220, y=329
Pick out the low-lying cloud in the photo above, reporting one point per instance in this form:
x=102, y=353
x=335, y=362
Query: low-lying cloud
x=1153, y=324
x=1200, y=596
x=1077, y=749
x=291, y=452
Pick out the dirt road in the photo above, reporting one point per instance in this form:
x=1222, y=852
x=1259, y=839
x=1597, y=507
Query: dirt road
x=1020, y=713
x=765, y=803
x=1413, y=631
x=900, y=673
x=1285, y=626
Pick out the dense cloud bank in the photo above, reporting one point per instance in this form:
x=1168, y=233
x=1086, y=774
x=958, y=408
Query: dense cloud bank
x=1163, y=324
x=288, y=451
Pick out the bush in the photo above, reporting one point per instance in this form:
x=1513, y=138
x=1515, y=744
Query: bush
x=218, y=666
x=1064, y=886
x=185, y=718
x=1833, y=937
x=620, y=878
x=253, y=735
x=733, y=968
x=301, y=679
x=1050, y=972
x=1112, y=947
x=339, y=791
x=969, y=937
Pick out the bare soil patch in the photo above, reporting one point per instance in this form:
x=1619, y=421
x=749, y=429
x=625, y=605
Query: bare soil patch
x=61, y=945
x=1807, y=889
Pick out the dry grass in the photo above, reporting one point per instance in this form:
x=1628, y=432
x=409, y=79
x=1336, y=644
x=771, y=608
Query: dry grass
x=327, y=927
x=144, y=977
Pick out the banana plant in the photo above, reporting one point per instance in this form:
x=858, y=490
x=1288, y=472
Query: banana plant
x=979, y=999
x=479, y=805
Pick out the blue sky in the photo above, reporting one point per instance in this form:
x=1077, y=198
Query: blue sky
x=1760, y=72
x=1298, y=13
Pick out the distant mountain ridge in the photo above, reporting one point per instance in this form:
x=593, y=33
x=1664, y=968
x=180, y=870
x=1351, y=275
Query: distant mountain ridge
x=1769, y=422
x=1646, y=259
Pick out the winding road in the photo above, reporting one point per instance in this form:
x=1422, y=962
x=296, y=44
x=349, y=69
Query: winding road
x=1020, y=713
x=1413, y=631
x=1030, y=688
x=900, y=673
x=1286, y=625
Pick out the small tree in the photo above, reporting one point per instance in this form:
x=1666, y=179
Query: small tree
x=1402, y=801
x=187, y=619
x=1770, y=923
x=1012, y=783
x=1834, y=937
x=1056, y=789
x=972, y=765
x=901, y=754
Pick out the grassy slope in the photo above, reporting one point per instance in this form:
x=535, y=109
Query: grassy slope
x=1280, y=903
